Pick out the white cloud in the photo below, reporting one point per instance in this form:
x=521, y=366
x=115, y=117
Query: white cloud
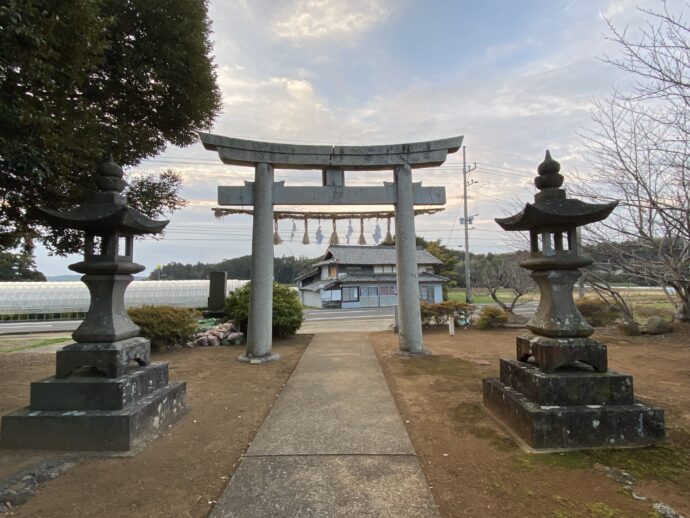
x=328, y=19
x=500, y=51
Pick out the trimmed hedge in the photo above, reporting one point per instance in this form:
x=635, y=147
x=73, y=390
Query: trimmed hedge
x=491, y=317
x=438, y=314
x=165, y=326
x=287, y=309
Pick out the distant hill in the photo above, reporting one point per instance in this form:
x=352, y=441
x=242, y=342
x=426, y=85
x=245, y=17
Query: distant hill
x=63, y=278
x=77, y=278
x=285, y=269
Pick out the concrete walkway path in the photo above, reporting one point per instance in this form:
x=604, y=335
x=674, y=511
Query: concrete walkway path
x=333, y=444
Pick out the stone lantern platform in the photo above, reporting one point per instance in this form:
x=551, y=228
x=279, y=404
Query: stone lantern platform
x=558, y=393
x=106, y=394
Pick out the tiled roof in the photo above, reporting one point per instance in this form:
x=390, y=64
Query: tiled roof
x=357, y=254
x=319, y=285
x=386, y=277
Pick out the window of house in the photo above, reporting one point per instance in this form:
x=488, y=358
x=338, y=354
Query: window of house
x=369, y=291
x=386, y=268
x=426, y=293
x=387, y=290
x=330, y=295
x=351, y=294
x=332, y=270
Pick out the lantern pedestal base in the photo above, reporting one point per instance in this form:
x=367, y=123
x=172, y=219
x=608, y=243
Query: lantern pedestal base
x=87, y=411
x=571, y=409
x=117, y=431
x=553, y=353
x=110, y=358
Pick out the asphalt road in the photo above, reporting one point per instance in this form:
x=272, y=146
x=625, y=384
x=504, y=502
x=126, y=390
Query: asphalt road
x=315, y=320
x=58, y=326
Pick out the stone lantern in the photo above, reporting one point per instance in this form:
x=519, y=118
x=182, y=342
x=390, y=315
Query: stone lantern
x=559, y=393
x=106, y=394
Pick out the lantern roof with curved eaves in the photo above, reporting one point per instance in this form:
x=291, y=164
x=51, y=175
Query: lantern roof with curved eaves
x=107, y=210
x=552, y=210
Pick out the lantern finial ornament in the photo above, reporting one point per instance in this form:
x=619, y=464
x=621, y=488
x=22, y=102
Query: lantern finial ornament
x=548, y=174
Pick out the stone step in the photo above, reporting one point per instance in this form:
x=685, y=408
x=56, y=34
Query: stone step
x=573, y=427
x=569, y=386
x=97, y=392
x=95, y=430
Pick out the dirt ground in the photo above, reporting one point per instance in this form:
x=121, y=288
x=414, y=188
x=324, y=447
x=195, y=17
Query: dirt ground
x=476, y=469
x=182, y=473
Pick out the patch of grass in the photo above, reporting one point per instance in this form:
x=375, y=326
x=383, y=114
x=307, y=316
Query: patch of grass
x=601, y=509
x=499, y=441
x=459, y=296
x=570, y=460
x=467, y=412
x=440, y=365
x=656, y=309
x=37, y=343
x=670, y=461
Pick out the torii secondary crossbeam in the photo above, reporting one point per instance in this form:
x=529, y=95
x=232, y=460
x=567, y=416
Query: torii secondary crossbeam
x=333, y=161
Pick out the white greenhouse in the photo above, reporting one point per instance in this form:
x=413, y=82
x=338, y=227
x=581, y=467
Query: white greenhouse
x=39, y=300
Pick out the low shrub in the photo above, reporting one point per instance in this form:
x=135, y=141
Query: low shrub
x=287, y=309
x=438, y=314
x=491, y=317
x=165, y=326
x=598, y=312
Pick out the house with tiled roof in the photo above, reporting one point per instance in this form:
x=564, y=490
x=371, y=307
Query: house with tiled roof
x=365, y=276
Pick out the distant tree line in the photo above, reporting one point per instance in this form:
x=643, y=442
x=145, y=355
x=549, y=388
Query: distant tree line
x=285, y=269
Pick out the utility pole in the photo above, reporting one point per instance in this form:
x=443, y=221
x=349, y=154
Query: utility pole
x=581, y=281
x=465, y=170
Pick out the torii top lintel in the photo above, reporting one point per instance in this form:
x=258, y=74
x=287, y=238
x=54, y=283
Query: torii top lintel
x=234, y=151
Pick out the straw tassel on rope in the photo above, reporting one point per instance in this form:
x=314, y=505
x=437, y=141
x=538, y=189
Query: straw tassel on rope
x=388, y=240
x=276, y=236
x=305, y=239
x=334, y=235
x=361, y=241
x=318, y=235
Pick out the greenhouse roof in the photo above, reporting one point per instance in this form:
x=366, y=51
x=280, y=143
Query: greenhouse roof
x=20, y=298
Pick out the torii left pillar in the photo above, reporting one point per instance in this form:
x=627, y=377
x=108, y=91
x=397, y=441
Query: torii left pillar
x=259, y=335
x=333, y=161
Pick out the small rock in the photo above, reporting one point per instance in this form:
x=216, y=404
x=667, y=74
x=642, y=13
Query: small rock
x=657, y=326
x=481, y=362
x=631, y=328
x=666, y=510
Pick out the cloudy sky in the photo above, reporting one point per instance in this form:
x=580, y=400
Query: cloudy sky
x=514, y=78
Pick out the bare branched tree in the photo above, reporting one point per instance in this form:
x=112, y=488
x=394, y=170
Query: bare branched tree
x=640, y=154
x=504, y=272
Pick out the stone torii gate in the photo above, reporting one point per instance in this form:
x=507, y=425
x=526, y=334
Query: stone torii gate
x=333, y=161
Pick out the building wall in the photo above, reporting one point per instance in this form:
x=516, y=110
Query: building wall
x=311, y=298
x=438, y=293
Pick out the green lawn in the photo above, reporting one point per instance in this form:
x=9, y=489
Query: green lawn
x=15, y=344
x=481, y=297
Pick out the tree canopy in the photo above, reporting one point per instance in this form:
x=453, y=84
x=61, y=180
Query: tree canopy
x=285, y=269
x=79, y=79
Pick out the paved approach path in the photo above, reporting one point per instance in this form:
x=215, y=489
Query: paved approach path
x=333, y=444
